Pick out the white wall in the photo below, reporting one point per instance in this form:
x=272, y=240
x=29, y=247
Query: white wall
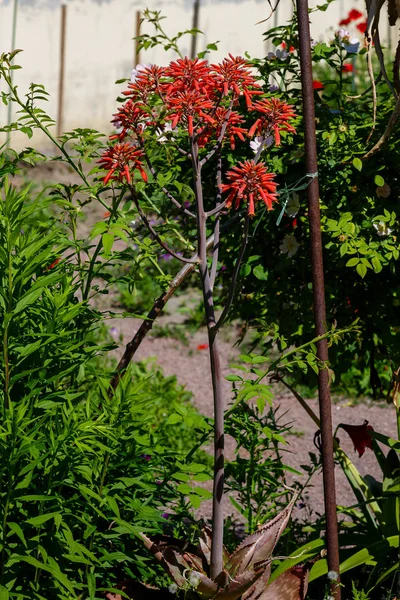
x=100, y=47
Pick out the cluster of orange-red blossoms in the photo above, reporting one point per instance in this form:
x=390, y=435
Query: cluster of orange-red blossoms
x=200, y=99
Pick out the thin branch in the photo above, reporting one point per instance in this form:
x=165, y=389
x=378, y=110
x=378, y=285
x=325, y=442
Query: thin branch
x=163, y=188
x=387, y=133
x=307, y=408
x=154, y=233
x=155, y=311
x=217, y=146
x=217, y=209
x=235, y=276
x=214, y=264
x=372, y=79
x=379, y=53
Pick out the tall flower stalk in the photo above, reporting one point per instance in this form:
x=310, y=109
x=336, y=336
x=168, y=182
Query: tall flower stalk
x=192, y=107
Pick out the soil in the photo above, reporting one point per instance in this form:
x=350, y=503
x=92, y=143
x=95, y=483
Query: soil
x=191, y=367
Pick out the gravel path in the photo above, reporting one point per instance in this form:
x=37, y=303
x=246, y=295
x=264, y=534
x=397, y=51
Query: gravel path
x=191, y=367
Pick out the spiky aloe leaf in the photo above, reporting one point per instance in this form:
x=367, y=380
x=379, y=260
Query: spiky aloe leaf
x=239, y=584
x=173, y=561
x=254, y=593
x=258, y=547
x=291, y=585
x=205, y=546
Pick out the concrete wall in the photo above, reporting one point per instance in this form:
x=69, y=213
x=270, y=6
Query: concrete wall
x=100, y=49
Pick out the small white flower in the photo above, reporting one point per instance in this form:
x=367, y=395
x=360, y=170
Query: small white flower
x=160, y=133
x=136, y=71
x=173, y=588
x=289, y=245
x=382, y=228
x=260, y=139
x=292, y=207
x=333, y=576
x=194, y=579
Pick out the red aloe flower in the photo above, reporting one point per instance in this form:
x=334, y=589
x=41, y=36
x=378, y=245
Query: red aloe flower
x=359, y=436
x=250, y=182
x=188, y=73
x=233, y=75
x=347, y=68
x=147, y=82
x=276, y=115
x=317, y=85
x=130, y=117
x=119, y=159
x=233, y=126
x=187, y=105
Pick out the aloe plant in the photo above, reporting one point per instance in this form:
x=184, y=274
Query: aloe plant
x=245, y=572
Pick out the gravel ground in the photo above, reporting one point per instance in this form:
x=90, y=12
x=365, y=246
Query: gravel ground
x=191, y=367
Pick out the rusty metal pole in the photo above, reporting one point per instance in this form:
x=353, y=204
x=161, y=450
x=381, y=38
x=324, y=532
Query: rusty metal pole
x=195, y=25
x=327, y=451
x=136, y=38
x=60, y=112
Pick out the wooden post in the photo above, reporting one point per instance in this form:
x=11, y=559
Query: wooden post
x=136, y=58
x=195, y=25
x=60, y=112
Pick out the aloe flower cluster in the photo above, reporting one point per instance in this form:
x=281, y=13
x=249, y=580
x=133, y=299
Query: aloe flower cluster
x=200, y=101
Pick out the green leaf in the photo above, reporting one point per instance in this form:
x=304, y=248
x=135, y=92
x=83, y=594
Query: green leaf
x=107, y=241
x=35, y=521
x=379, y=181
x=352, y=262
x=4, y=593
x=173, y=419
x=376, y=264
x=259, y=273
x=15, y=528
x=99, y=228
x=357, y=164
x=27, y=300
x=184, y=488
x=361, y=269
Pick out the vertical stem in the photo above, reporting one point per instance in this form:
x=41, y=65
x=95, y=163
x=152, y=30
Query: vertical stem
x=218, y=486
x=137, y=35
x=13, y=43
x=195, y=25
x=327, y=450
x=60, y=110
